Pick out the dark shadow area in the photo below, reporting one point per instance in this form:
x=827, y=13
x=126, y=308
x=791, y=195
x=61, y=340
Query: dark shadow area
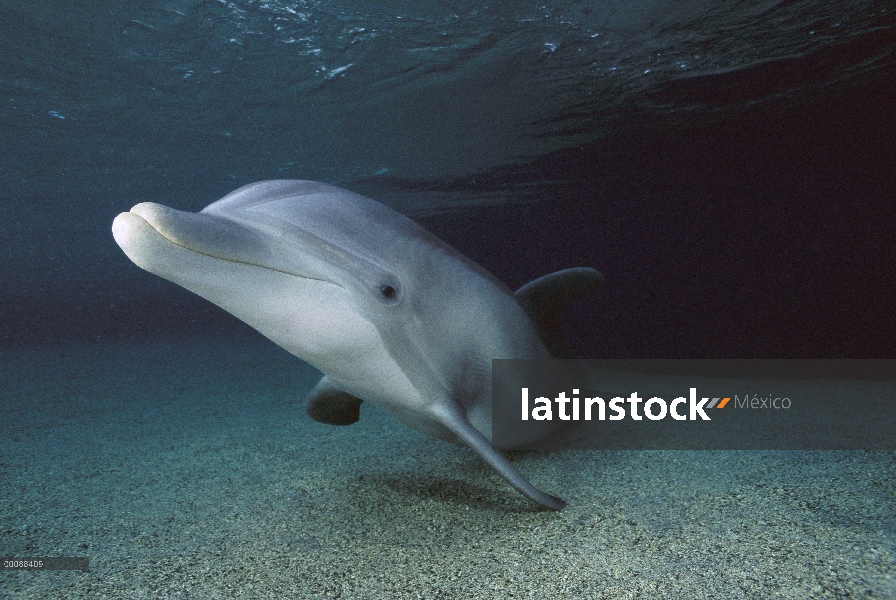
x=766, y=233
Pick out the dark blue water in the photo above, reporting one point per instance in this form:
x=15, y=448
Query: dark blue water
x=730, y=166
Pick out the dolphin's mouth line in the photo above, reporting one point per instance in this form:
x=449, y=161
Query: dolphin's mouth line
x=240, y=262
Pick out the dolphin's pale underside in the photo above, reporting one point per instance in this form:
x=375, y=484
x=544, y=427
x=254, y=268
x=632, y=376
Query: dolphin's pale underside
x=389, y=313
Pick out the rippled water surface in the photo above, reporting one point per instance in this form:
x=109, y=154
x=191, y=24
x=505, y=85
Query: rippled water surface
x=122, y=93
x=728, y=165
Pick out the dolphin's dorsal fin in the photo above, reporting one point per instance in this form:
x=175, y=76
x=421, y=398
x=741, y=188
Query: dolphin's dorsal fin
x=328, y=404
x=544, y=298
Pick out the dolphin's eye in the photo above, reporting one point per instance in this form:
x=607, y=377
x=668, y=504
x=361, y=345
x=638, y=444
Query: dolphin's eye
x=388, y=289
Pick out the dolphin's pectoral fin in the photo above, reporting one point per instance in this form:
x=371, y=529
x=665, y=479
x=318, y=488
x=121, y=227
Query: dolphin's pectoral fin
x=328, y=404
x=544, y=298
x=457, y=423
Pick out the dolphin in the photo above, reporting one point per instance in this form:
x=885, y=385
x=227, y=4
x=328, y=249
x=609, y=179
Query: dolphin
x=388, y=312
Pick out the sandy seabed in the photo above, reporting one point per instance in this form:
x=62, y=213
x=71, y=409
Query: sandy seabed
x=190, y=470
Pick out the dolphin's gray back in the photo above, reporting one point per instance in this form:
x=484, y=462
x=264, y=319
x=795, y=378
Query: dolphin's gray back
x=333, y=217
x=324, y=208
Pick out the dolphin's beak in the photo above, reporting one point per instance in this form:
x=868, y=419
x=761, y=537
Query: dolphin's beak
x=139, y=240
x=211, y=235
